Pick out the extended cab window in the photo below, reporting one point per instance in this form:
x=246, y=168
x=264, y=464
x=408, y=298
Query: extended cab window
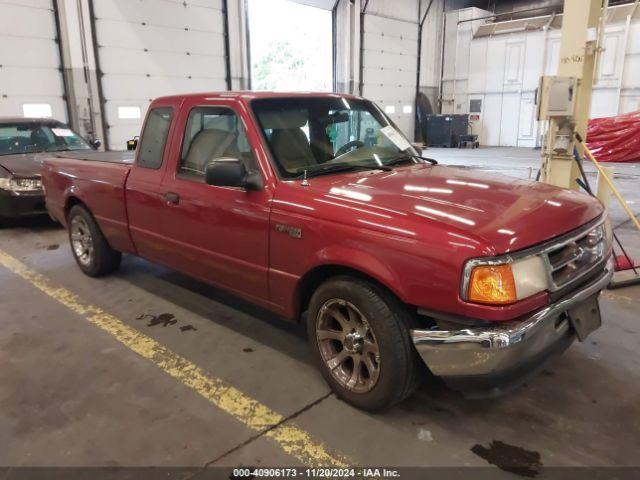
x=213, y=132
x=154, y=137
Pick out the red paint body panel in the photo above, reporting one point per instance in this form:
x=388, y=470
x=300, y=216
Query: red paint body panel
x=412, y=228
x=100, y=186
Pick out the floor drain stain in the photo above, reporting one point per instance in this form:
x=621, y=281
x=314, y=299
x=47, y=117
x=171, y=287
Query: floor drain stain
x=510, y=458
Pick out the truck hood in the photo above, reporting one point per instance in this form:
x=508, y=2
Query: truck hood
x=506, y=213
x=23, y=165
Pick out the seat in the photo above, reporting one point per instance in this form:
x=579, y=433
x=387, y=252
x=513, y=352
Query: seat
x=208, y=145
x=291, y=148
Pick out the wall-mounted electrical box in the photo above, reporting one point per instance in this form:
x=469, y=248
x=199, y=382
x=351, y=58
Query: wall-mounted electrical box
x=556, y=97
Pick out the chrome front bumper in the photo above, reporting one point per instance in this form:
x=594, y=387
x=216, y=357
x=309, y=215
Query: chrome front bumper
x=492, y=350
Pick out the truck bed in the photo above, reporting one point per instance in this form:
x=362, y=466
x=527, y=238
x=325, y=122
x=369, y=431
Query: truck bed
x=98, y=178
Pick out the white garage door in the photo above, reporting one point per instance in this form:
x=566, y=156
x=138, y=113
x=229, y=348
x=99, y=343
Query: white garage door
x=390, y=61
x=30, y=77
x=152, y=48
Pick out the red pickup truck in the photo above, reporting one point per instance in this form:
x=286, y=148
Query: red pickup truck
x=316, y=207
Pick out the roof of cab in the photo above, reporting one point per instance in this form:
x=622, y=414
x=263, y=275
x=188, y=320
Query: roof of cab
x=248, y=95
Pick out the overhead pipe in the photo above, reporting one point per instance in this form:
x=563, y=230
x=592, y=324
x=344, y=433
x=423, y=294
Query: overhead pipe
x=99, y=74
x=72, y=114
x=363, y=10
x=334, y=43
x=416, y=126
x=227, y=51
x=444, y=36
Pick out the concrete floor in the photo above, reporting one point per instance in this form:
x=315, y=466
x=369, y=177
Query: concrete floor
x=71, y=395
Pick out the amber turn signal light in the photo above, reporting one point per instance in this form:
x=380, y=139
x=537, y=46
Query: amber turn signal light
x=492, y=284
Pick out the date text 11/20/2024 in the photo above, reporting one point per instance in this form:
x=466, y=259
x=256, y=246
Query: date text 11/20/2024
x=314, y=473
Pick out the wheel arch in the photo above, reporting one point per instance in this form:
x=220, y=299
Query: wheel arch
x=319, y=274
x=72, y=201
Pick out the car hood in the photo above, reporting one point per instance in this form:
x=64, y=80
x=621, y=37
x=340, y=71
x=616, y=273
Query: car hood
x=24, y=164
x=506, y=213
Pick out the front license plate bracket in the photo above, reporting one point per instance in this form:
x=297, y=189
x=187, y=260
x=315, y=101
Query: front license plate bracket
x=585, y=318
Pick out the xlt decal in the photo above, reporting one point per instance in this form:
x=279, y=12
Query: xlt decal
x=292, y=231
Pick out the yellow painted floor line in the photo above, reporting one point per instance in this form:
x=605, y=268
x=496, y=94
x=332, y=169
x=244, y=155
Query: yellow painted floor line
x=292, y=439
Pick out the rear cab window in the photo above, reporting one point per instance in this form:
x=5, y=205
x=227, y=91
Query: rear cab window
x=154, y=138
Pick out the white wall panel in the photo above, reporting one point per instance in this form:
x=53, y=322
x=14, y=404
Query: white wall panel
x=514, y=65
x=406, y=10
x=504, y=70
x=162, y=13
x=116, y=34
x=477, y=67
x=29, y=58
x=533, y=60
x=604, y=103
x=527, y=124
x=553, y=61
x=494, y=65
x=509, y=119
x=151, y=48
x=630, y=103
x=390, y=64
x=491, y=119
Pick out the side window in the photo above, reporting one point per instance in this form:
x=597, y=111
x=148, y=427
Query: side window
x=154, y=137
x=210, y=133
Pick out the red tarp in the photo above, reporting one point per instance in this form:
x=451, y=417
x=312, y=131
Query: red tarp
x=615, y=139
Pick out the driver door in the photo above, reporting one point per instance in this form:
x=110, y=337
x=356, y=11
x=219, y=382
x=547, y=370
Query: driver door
x=217, y=234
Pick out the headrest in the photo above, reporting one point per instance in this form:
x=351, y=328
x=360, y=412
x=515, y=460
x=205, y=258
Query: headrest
x=283, y=119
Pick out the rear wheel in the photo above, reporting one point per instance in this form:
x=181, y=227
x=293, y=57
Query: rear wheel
x=359, y=336
x=93, y=254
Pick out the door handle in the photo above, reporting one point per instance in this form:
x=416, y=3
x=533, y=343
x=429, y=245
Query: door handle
x=171, y=197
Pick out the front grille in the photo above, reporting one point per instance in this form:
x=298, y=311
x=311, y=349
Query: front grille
x=572, y=259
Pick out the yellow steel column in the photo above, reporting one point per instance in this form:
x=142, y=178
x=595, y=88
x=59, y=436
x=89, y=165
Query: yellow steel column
x=578, y=48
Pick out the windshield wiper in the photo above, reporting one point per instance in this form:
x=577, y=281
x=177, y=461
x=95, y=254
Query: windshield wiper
x=341, y=168
x=407, y=156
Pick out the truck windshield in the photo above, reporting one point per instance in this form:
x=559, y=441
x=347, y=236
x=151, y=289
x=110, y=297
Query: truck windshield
x=312, y=134
x=30, y=137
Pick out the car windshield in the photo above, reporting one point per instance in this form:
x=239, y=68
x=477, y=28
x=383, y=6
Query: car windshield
x=311, y=135
x=33, y=137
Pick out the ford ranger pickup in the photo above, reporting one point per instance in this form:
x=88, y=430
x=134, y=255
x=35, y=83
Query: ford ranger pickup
x=316, y=207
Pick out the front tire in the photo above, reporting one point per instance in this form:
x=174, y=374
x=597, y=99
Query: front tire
x=91, y=250
x=359, y=335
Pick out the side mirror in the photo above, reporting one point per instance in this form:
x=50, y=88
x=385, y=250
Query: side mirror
x=231, y=172
x=95, y=144
x=132, y=144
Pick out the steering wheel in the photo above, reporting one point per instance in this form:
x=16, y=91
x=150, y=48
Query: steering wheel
x=347, y=146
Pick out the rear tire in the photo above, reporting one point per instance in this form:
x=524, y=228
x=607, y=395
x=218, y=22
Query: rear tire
x=359, y=336
x=92, y=252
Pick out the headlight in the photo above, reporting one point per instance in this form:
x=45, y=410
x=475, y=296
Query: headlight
x=21, y=184
x=505, y=283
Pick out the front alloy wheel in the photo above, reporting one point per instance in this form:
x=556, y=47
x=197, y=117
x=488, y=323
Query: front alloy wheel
x=359, y=336
x=348, y=346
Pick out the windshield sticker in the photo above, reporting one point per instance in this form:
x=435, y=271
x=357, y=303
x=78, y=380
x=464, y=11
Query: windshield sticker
x=396, y=137
x=62, y=132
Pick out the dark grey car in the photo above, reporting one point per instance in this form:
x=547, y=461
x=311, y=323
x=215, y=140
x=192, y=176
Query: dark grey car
x=24, y=142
